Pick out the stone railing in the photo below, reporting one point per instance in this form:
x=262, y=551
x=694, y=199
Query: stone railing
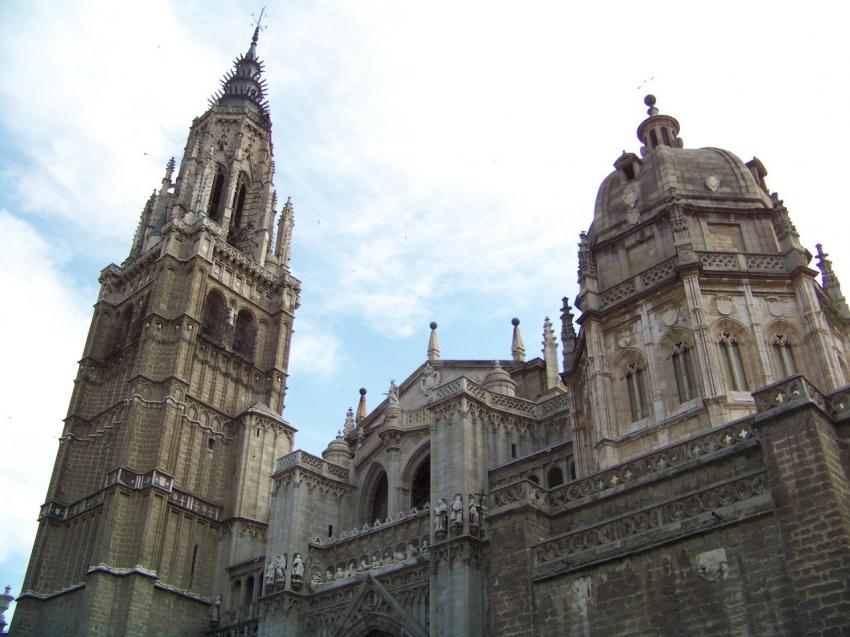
x=640, y=281
x=741, y=262
x=372, y=546
x=736, y=434
x=463, y=385
x=308, y=460
x=791, y=390
x=132, y=480
x=612, y=533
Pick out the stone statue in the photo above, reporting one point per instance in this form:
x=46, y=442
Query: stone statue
x=297, y=567
x=270, y=574
x=364, y=565
x=474, y=514
x=457, y=510
x=279, y=568
x=314, y=582
x=215, y=611
x=392, y=393
x=441, y=515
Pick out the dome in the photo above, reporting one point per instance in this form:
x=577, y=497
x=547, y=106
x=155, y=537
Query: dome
x=499, y=381
x=707, y=177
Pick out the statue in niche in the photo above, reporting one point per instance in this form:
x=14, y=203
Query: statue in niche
x=376, y=560
x=339, y=573
x=474, y=513
x=441, y=516
x=314, y=582
x=457, y=511
x=297, y=567
x=364, y=564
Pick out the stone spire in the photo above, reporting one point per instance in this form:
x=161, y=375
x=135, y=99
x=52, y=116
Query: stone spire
x=517, y=346
x=244, y=85
x=657, y=130
x=433, y=344
x=361, y=406
x=830, y=283
x=348, y=427
x=283, y=244
x=550, y=354
x=568, y=334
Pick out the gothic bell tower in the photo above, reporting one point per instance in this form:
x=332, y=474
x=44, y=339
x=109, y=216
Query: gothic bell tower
x=161, y=486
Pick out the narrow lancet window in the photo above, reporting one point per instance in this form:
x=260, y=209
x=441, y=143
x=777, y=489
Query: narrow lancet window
x=636, y=387
x=683, y=370
x=783, y=355
x=733, y=364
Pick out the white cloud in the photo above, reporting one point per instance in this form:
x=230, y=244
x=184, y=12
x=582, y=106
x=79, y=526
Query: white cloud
x=44, y=322
x=314, y=351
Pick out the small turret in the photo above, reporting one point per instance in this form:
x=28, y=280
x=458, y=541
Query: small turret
x=657, y=130
x=338, y=451
x=568, y=334
x=499, y=381
x=550, y=355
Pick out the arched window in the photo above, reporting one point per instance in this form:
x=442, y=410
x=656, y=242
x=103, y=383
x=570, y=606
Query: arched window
x=215, y=208
x=122, y=329
x=380, y=499
x=420, y=488
x=245, y=334
x=554, y=477
x=234, y=235
x=683, y=370
x=215, y=313
x=733, y=364
x=783, y=355
x=635, y=378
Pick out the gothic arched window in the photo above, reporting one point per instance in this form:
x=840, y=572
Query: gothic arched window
x=733, y=364
x=215, y=208
x=783, y=355
x=683, y=370
x=635, y=378
x=380, y=499
x=554, y=477
x=420, y=488
x=215, y=313
x=245, y=334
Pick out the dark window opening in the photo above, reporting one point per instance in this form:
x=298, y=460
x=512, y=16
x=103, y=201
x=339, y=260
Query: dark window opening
x=215, y=208
x=513, y=450
x=210, y=444
x=653, y=139
x=379, y=500
x=192, y=568
x=554, y=477
x=236, y=220
x=629, y=171
x=215, y=314
x=665, y=135
x=258, y=432
x=572, y=471
x=330, y=530
x=245, y=334
x=420, y=489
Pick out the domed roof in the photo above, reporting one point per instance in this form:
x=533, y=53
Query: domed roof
x=709, y=177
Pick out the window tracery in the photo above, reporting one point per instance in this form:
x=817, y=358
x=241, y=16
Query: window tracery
x=683, y=371
x=635, y=378
x=783, y=355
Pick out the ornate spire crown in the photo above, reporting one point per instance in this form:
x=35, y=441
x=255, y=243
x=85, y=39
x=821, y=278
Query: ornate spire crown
x=244, y=85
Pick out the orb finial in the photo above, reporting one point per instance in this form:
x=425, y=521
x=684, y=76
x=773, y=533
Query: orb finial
x=649, y=100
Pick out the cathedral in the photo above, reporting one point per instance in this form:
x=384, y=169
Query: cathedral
x=679, y=467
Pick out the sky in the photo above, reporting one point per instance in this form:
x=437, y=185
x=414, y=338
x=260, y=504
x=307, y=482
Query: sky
x=442, y=158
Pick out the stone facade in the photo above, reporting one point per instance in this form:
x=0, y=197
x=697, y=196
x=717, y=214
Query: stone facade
x=679, y=470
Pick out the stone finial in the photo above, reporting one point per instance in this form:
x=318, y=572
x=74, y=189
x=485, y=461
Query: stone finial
x=550, y=354
x=649, y=100
x=361, y=406
x=517, y=346
x=348, y=427
x=568, y=334
x=830, y=282
x=433, y=344
x=586, y=264
x=283, y=245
